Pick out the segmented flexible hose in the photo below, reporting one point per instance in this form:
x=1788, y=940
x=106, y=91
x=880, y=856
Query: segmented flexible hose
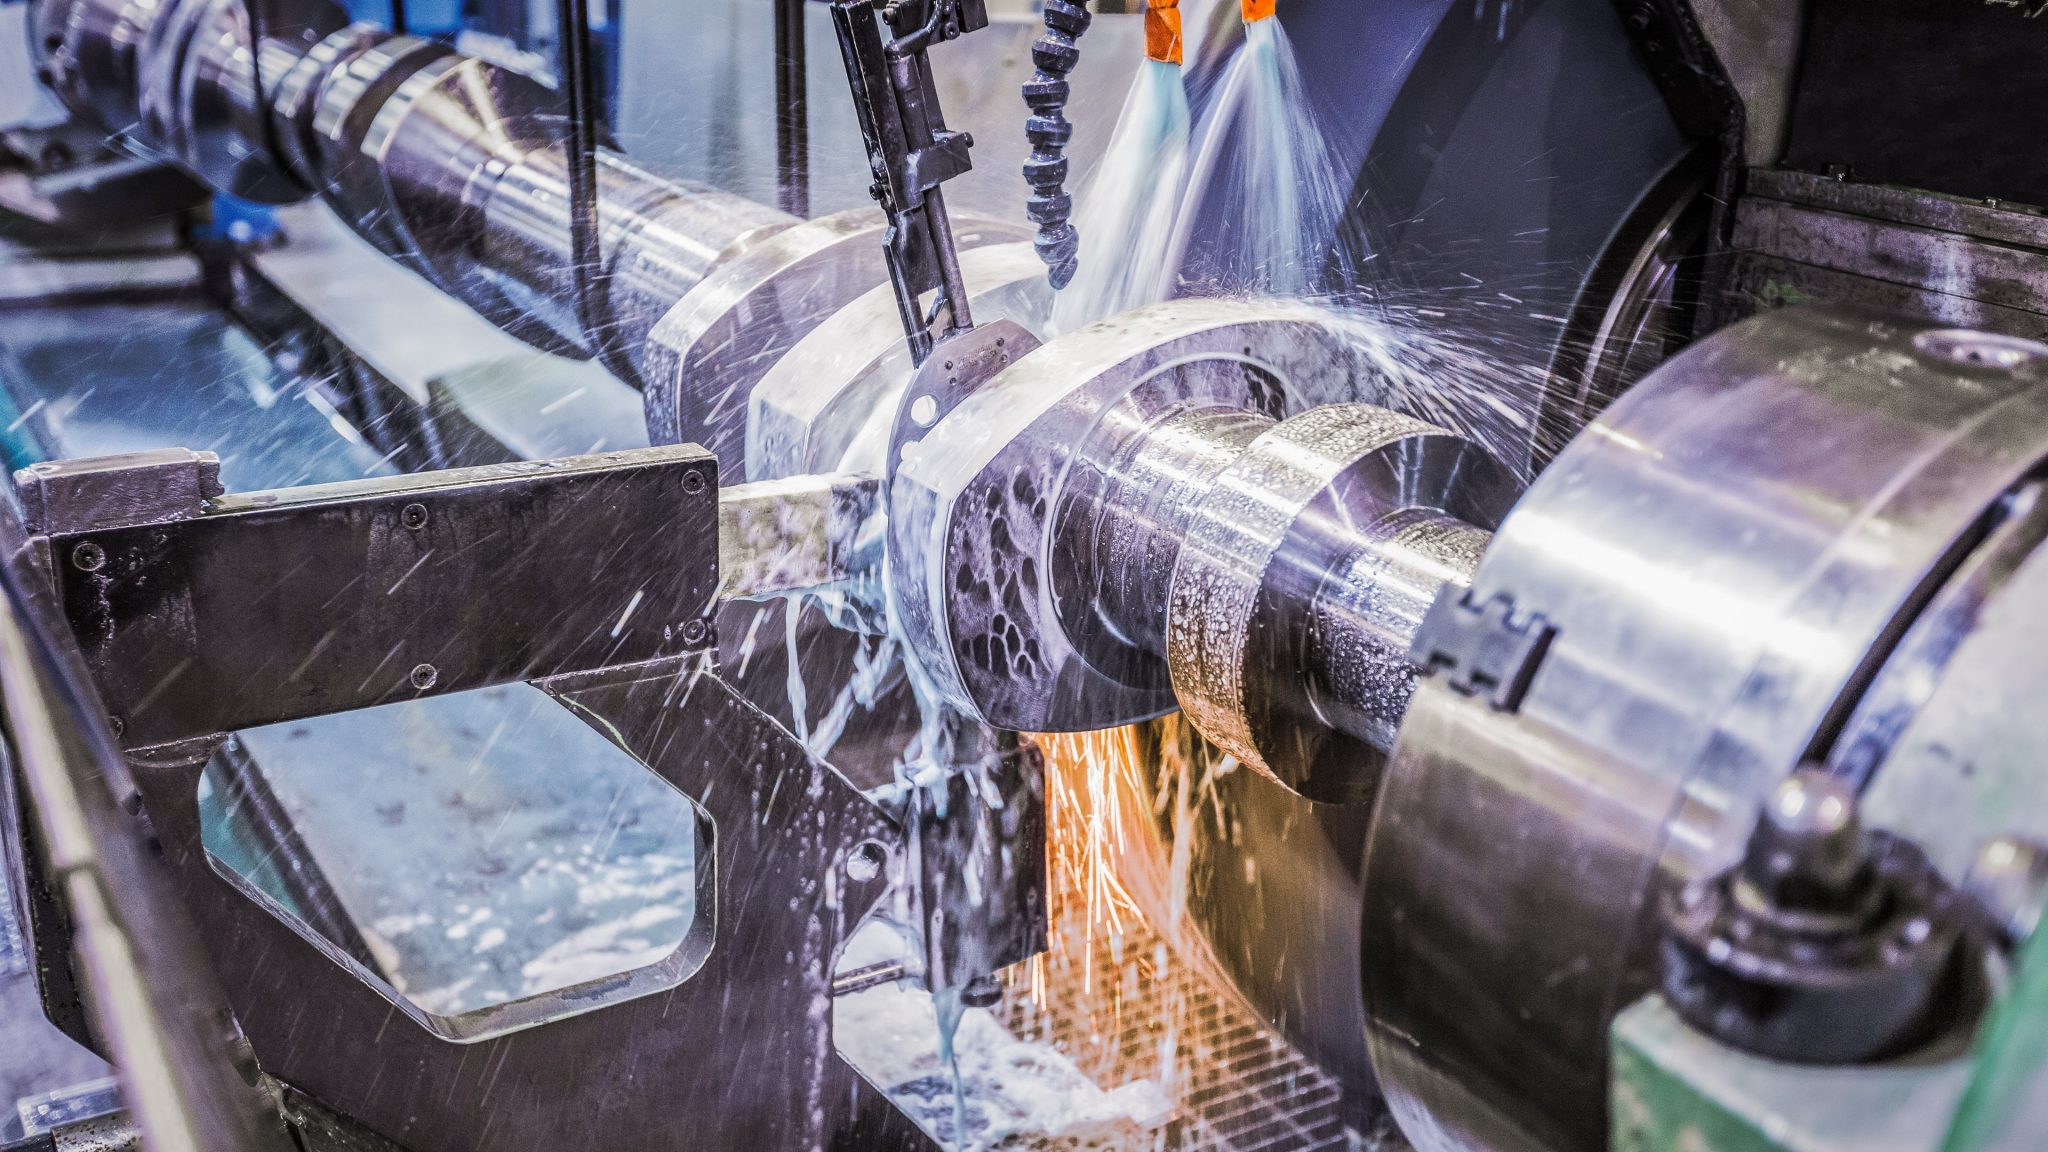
x=1050, y=207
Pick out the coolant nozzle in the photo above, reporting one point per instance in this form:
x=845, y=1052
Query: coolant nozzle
x=1162, y=31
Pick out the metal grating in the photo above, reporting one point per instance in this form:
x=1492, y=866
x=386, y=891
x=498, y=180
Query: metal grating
x=1128, y=1008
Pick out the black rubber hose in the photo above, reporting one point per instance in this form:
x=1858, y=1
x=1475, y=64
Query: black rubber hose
x=1050, y=206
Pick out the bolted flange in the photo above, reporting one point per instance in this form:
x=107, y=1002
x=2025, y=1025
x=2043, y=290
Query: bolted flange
x=1827, y=944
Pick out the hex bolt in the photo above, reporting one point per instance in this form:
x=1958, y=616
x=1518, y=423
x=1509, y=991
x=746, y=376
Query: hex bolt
x=1808, y=849
x=88, y=557
x=414, y=516
x=425, y=676
x=865, y=862
x=693, y=482
x=695, y=631
x=2009, y=881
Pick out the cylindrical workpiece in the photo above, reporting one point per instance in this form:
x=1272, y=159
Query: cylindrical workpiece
x=1279, y=568
x=659, y=238
x=1133, y=523
x=1284, y=648
x=1366, y=613
x=447, y=162
x=457, y=168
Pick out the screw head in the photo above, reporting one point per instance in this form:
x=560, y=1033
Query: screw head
x=425, y=676
x=695, y=631
x=2009, y=881
x=693, y=482
x=88, y=557
x=1808, y=843
x=414, y=516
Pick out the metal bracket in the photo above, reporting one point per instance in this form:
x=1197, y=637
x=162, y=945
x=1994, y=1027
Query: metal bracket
x=1484, y=649
x=731, y=1046
x=200, y=614
x=117, y=491
x=971, y=933
x=910, y=149
x=964, y=362
x=594, y=577
x=978, y=860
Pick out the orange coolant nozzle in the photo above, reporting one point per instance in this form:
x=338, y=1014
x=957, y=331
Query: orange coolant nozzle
x=1162, y=31
x=1257, y=9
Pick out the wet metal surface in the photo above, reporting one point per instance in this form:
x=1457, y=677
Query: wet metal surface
x=396, y=587
x=564, y=845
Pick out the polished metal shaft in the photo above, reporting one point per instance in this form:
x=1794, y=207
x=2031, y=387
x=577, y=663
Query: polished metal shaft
x=1134, y=528
x=449, y=163
x=1350, y=572
x=659, y=239
x=1367, y=610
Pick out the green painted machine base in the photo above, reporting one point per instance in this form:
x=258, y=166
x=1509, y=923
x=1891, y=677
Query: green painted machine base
x=1677, y=1090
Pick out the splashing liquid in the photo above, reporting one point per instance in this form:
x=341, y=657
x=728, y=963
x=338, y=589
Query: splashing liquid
x=950, y=1006
x=1263, y=199
x=1245, y=199
x=1129, y=217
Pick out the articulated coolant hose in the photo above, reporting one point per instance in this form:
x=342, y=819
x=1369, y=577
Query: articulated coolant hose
x=1055, y=54
x=1126, y=217
x=1050, y=207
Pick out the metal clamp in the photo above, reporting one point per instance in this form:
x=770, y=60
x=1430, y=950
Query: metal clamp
x=1828, y=943
x=1484, y=648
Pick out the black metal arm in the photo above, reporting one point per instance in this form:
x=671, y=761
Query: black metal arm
x=910, y=150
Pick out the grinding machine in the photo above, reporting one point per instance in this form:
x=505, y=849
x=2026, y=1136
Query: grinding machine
x=1573, y=671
